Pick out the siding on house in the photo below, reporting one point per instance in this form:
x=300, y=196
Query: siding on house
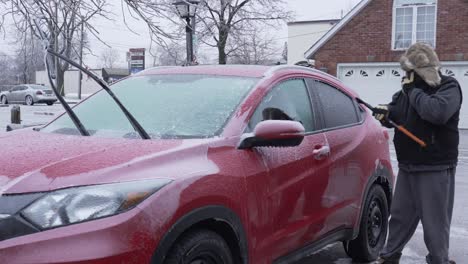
x=303, y=34
x=89, y=86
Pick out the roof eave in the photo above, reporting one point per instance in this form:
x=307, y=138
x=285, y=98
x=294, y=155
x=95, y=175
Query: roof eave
x=325, y=38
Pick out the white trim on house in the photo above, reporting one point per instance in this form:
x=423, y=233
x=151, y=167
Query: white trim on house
x=378, y=81
x=397, y=64
x=308, y=54
x=414, y=24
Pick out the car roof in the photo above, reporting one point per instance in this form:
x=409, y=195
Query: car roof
x=253, y=71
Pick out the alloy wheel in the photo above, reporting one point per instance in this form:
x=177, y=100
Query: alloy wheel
x=29, y=100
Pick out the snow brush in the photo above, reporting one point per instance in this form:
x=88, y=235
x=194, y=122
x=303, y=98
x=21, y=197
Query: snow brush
x=391, y=122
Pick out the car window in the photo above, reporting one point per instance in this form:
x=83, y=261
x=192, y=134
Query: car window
x=287, y=101
x=39, y=87
x=337, y=107
x=167, y=106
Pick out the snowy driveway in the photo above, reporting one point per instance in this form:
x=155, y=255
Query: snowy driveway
x=334, y=254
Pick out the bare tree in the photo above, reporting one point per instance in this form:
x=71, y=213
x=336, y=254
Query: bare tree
x=221, y=19
x=170, y=55
x=110, y=58
x=218, y=20
x=253, y=48
x=8, y=76
x=62, y=20
x=29, y=56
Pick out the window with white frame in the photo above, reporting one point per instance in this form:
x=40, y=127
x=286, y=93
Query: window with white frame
x=413, y=21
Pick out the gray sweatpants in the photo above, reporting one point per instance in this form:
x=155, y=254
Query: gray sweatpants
x=427, y=197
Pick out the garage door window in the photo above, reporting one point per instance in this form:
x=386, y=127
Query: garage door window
x=338, y=109
x=286, y=101
x=414, y=21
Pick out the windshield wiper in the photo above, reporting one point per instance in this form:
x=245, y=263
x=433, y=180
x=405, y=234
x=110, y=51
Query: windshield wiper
x=137, y=126
x=76, y=121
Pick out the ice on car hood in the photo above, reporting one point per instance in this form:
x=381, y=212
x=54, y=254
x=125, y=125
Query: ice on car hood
x=34, y=161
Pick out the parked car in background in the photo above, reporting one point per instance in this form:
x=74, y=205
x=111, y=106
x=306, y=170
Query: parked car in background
x=28, y=94
x=245, y=164
x=4, y=87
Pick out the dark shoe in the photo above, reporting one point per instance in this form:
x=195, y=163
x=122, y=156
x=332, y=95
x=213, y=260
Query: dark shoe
x=393, y=259
x=450, y=261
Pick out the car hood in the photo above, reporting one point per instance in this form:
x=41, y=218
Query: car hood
x=35, y=161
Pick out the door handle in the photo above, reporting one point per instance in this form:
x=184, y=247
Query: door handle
x=321, y=153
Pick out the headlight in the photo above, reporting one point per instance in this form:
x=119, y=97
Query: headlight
x=74, y=205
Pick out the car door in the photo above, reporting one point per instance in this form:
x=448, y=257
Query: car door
x=341, y=121
x=21, y=94
x=297, y=176
x=12, y=95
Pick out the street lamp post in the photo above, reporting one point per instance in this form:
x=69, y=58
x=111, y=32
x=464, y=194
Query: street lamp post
x=187, y=10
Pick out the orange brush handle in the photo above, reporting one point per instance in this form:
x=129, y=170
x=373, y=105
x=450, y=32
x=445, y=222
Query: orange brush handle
x=412, y=136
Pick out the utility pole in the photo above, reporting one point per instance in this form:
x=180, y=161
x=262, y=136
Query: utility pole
x=189, y=31
x=194, y=40
x=80, y=74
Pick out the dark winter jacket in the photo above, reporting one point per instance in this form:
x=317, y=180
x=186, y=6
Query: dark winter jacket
x=432, y=114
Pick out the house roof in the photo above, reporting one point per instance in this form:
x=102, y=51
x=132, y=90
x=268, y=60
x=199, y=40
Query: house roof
x=325, y=38
x=314, y=21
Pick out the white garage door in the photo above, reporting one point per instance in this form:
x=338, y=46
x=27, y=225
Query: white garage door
x=377, y=82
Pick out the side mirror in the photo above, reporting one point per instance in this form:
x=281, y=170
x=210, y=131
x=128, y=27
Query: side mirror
x=274, y=133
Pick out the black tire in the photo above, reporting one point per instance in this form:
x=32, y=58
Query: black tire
x=50, y=103
x=200, y=247
x=372, y=229
x=4, y=100
x=28, y=100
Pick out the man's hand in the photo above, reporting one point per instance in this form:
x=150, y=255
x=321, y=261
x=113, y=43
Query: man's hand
x=408, y=83
x=381, y=112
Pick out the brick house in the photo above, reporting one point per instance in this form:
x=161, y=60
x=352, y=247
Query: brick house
x=364, y=48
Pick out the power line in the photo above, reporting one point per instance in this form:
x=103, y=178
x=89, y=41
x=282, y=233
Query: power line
x=301, y=35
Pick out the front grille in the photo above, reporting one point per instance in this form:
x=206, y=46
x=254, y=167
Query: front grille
x=12, y=204
x=15, y=226
x=12, y=224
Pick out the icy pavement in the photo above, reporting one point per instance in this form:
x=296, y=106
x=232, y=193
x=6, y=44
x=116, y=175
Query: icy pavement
x=36, y=114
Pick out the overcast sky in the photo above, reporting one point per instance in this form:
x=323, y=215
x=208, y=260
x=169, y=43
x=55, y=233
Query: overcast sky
x=116, y=35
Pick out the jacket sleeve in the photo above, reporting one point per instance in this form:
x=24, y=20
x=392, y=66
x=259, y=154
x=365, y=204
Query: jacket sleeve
x=437, y=108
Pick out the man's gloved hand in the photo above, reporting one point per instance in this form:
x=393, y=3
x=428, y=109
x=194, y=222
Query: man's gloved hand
x=410, y=81
x=381, y=112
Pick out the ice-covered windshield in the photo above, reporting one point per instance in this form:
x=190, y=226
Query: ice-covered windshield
x=167, y=106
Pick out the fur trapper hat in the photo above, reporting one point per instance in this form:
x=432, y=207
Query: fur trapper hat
x=422, y=59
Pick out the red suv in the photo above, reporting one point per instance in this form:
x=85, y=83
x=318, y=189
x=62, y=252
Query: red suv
x=246, y=164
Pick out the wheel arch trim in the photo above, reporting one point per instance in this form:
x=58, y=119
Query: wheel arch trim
x=217, y=213
x=380, y=175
